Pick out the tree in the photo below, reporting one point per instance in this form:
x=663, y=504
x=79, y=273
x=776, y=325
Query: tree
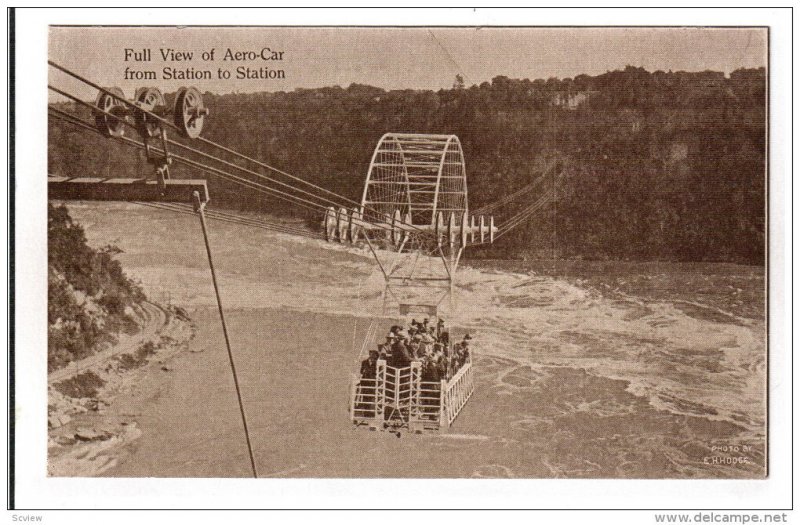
x=655, y=163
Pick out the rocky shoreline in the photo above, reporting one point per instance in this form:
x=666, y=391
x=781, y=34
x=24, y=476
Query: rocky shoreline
x=83, y=434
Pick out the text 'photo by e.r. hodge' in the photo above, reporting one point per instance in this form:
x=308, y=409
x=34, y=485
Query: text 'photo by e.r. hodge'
x=351, y=252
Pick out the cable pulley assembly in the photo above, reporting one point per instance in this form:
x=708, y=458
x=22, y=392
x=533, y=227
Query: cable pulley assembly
x=148, y=110
x=110, y=126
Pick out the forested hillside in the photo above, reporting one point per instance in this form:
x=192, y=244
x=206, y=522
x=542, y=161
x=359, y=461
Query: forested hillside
x=89, y=297
x=649, y=165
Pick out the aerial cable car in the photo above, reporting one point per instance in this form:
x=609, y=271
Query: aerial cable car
x=414, y=216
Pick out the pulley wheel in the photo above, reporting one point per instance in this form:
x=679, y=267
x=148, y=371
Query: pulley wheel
x=464, y=229
x=148, y=99
x=190, y=112
x=110, y=126
x=330, y=224
x=343, y=224
x=355, y=229
x=472, y=229
x=397, y=232
x=439, y=228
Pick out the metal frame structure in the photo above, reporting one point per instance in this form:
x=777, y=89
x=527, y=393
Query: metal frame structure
x=415, y=204
x=418, y=176
x=398, y=399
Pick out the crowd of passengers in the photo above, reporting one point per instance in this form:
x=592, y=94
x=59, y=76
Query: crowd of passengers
x=423, y=342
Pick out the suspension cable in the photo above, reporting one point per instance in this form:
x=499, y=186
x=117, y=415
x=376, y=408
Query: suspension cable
x=193, y=150
x=69, y=118
x=511, y=197
x=205, y=168
x=508, y=198
x=514, y=221
x=203, y=140
x=201, y=213
x=526, y=214
x=231, y=218
x=314, y=206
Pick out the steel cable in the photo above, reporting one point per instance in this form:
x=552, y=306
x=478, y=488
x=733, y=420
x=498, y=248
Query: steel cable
x=197, y=165
x=508, y=198
x=202, y=140
x=207, y=169
x=233, y=219
x=525, y=215
x=514, y=221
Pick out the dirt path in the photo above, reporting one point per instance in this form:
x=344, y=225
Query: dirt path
x=153, y=320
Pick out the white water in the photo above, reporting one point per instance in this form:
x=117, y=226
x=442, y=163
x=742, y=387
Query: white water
x=678, y=363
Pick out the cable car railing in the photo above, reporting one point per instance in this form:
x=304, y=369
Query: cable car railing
x=399, y=399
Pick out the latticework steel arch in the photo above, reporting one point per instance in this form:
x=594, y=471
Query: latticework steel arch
x=416, y=177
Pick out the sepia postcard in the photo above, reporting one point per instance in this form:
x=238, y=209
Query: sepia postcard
x=408, y=252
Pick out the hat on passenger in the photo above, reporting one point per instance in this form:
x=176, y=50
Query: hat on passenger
x=467, y=337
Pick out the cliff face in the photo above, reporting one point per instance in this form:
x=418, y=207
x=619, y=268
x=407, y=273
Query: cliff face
x=90, y=299
x=651, y=165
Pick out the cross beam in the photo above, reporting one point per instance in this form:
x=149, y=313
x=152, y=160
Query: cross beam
x=102, y=189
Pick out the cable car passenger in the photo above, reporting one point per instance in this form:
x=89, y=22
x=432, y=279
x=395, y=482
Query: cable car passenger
x=415, y=348
x=430, y=372
x=432, y=333
x=400, y=355
x=465, y=347
x=369, y=366
x=386, y=349
x=439, y=328
x=367, y=386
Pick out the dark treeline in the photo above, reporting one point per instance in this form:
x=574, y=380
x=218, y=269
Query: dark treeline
x=89, y=297
x=656, y=165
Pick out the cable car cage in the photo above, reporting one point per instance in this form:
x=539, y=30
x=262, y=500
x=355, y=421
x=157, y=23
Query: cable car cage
x=399, y=399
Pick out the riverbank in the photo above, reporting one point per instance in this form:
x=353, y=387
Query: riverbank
x=570, y=382
x=85, y=434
